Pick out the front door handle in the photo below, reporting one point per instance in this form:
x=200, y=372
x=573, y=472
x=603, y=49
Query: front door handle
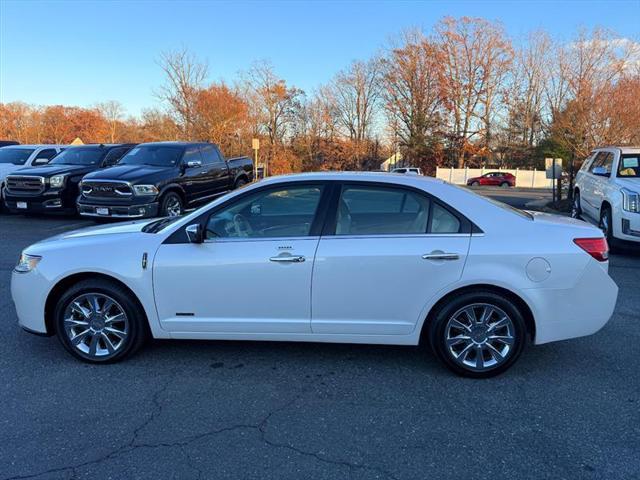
x=288, y=259
x=441, y=256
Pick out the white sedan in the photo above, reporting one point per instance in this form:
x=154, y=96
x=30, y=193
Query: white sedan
x=325, y=257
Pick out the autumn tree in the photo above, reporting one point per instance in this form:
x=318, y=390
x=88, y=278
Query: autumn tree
x=113, y=112
x=412, y=92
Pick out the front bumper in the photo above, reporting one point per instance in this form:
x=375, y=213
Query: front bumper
x=627, y=227
x=29, y=293
x=48, y=202
x=118, y=211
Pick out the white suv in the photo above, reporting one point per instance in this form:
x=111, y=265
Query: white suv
x=608, y=191
x=407, y=170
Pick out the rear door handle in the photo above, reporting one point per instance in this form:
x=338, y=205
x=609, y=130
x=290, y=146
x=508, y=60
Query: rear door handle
x=288, y=259
x=441, y=256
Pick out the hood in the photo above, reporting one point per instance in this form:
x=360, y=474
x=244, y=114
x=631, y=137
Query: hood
x=629, y=183
x=113, y=229
x=7, y=168
x=132, y=173
x=50, y=170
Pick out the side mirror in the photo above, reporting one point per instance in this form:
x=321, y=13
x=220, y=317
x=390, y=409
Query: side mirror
x=601, y=171
x=194, y=233
x=194, y=164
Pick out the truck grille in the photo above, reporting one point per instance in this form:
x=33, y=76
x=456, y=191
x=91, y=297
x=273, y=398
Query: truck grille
x=91, y=189
x=24, y=184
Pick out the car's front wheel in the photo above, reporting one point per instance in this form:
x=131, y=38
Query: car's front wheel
x=576, y=209
x=475, y=184
x=478, y=334
x=606, y=225
x=98, y=321
x=171, y=205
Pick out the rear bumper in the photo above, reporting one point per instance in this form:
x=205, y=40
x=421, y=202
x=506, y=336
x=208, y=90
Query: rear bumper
x=574, y=312
x=119, y=211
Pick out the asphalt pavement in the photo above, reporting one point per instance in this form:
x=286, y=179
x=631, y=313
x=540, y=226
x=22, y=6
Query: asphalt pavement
x=251, y=410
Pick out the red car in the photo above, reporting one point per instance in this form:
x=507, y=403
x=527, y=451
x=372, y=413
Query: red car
x=501, y=179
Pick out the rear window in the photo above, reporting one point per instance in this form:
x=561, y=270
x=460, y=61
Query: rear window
x=502, y=205
x=15, y=156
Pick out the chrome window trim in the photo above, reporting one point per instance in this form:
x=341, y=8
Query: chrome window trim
x=260, y=239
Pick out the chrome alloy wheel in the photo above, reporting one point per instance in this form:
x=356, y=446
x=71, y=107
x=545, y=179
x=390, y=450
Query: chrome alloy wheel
x=480, y=336
x=96, y=325
x=174, y=209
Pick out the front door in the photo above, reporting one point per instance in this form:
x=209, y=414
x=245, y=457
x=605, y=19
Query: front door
x=392, y=250
x=252, y=274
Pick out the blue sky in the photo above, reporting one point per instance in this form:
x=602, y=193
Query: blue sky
x=80, y=53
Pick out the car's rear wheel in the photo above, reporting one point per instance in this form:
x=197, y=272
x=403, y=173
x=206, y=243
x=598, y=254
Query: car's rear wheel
x=576, y=209
x=478, y=334
x=475, y=184
x=171, y=205
x=505, y=185
x=98, y=321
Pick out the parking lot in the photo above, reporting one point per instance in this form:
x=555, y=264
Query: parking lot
x=241, y=410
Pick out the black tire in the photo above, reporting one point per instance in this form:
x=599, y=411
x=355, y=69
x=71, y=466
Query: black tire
x=576, y=209
x=505, y=185
x=137, y=328
x=606, y=225
x=240, y=183
x=444, y=315
x=169, y=202
x=475, y=184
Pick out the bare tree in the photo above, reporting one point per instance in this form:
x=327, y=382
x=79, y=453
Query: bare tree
x=475, y=56
x=113, y=113
x=185, y=76
x=355, y=93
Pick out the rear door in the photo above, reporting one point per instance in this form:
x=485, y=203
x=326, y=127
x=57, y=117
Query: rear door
x=217, y=171
x=386, y=251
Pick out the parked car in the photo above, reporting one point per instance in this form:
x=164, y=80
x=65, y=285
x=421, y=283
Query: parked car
x=54, y=186
x=162, y=179
x=5, y=143
x=607, y=191
x=500, y=179
x=16, y=157
x=477, y=278
x=407, y=170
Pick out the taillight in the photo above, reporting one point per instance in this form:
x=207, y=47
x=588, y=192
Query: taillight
x=596, y=247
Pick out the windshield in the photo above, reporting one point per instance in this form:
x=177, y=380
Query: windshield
x=629, y=166
x=16, y=156
x=155, y=155
x=79, y=156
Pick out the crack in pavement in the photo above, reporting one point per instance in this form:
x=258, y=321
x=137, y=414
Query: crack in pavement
x=260, y=427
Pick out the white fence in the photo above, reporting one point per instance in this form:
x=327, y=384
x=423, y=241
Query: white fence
x=524, y=178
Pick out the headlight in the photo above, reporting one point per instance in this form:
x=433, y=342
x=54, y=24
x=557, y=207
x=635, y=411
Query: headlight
x=27, y=263
x=56, y=181
x=630, y=200
x=145, y=189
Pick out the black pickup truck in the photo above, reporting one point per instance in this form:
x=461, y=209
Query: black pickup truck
x=162, y=179
x=54, y=186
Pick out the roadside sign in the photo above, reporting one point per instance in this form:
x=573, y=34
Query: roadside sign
x=255, y=144
x=553, y=167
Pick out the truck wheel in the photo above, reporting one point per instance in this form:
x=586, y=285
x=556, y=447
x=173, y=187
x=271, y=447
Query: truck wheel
x=240, y=183
x=606, y=225
x=576, y=209
x=171, y=205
